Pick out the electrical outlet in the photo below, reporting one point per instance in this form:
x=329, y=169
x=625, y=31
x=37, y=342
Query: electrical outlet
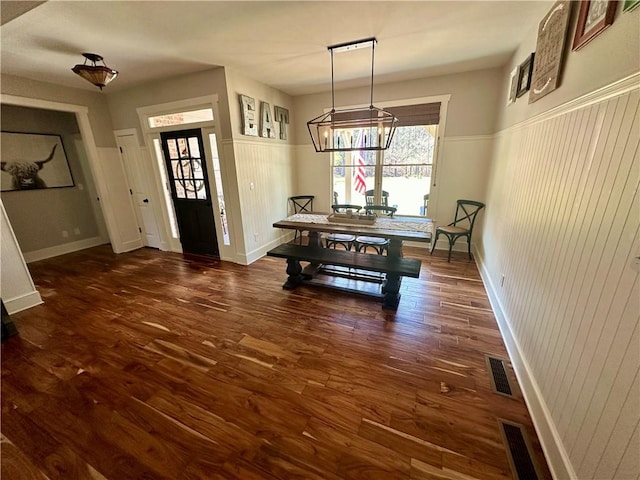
x=502, y=281
x=65, y=234
x=255, y=237
x=80, y=186
x=252, y=187
x=76, y=231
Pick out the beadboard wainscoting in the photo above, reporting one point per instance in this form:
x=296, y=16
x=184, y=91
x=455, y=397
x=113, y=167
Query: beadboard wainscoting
x=559, y=259
x=264, y=171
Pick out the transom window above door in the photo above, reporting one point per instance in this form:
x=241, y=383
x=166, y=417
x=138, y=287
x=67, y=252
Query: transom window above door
x=181, y=118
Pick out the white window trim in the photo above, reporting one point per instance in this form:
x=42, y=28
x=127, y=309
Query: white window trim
x=437, y=153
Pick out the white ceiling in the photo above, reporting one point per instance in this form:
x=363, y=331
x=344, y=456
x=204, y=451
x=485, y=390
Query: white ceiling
x=282, y=44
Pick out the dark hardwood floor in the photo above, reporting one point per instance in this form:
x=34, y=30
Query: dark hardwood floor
x=153, y=365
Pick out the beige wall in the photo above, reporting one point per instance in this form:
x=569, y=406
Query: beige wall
x=561, y=226
x=466, y=147
x=99, y=116
x=123, y=104
x=38, y=217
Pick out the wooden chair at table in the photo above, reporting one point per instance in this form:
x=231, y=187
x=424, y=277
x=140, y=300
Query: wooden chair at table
x=369, y=198
x=462, y=225
x=301, y=204
x=343, y=239
x=379, y=244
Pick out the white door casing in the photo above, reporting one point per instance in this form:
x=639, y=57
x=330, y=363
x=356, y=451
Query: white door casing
x=118, y=212
x=137, y=172
x=117, y=196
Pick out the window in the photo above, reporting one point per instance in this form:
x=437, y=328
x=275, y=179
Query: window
x=399, y=176
x=181, y=118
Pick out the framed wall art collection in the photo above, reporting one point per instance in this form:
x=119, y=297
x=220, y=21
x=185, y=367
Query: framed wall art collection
x=543, y=76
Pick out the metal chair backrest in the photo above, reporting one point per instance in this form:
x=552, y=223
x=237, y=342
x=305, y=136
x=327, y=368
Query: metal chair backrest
x=380, y=209
x=343, y=207
x=369, y=197
x=467, y=211
x=302, y=203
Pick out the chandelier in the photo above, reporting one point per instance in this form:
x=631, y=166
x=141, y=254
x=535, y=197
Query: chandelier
x=333, y=131
x=99, y=75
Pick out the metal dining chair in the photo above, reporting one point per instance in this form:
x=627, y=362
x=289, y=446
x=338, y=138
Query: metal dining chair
x=301, y=204
x=379, y=244
x=369, y=197
x=344, y=239
x=462, y=225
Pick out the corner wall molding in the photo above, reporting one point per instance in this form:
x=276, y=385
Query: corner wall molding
x=615, y=89
x=469, y=138
x=17, y=304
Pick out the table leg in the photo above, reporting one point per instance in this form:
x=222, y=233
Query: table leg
x=391, y=290
x=391, y=286
x=293, y=270
x=315, y=242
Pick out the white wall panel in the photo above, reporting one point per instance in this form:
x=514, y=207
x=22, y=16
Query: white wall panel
x=561, y=225
x=269, y=167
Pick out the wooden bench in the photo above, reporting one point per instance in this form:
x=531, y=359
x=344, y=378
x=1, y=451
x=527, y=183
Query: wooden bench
x=393, y=267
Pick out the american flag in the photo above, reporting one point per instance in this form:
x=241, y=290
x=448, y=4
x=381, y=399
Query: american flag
x=359, y=183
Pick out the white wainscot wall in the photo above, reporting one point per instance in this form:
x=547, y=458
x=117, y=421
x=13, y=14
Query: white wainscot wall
x=562, y=227
x=265, y=182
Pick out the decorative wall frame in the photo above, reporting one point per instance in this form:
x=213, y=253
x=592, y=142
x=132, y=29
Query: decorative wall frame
x=513, y=85
x=33, y=161
x=594, y=16
x=630, y=5
x=524, y=75
x=552, y=34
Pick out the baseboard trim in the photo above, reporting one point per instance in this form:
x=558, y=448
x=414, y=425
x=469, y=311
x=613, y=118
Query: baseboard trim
x=260, y=252
x=555, y=453
x=63, y=249
x=17, y=304
x=443, y=244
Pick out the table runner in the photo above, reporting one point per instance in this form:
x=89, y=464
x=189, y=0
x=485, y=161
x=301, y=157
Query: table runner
x=403, y=224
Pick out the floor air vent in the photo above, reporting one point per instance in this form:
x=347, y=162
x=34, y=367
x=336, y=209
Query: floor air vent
x=499, y=377
x=522, y=463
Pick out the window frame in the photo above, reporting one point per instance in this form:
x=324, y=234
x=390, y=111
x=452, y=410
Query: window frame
x=437, y=152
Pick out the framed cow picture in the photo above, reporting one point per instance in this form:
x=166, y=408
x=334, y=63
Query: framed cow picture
x=30, y=161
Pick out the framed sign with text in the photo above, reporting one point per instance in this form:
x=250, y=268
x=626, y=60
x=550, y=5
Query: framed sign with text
x=552, y=34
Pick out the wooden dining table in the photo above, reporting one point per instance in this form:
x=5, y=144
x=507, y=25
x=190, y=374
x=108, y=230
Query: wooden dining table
x=396, y=229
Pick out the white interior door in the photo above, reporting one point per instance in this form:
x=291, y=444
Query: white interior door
x=143, y=201
x=116, y=198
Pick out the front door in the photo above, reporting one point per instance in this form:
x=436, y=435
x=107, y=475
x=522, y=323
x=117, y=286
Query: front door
x=187, y=173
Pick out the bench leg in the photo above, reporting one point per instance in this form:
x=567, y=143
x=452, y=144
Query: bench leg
x=391, y=290
x=293, y=270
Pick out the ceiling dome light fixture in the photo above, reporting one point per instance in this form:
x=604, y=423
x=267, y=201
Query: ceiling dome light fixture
x=373, y=127
x=99, y=75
